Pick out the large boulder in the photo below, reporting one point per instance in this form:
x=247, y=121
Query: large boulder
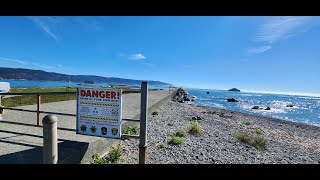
x=268, y=108
x=289, y=105
x=232, y=100
x=255, y=107
x=196, y=118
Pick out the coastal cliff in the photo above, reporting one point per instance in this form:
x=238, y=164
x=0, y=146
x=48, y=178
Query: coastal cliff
x=39, y=75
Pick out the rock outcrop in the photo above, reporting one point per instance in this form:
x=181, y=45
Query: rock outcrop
x=255, y=107
x=232, y=100
x=180, y=96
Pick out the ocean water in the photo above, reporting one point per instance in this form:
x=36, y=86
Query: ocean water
x=23, y=83
x=306, y=109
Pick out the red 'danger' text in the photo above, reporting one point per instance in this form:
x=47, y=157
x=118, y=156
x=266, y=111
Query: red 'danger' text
x=99, y=94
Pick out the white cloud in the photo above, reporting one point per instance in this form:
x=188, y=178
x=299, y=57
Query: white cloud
x=28, y=63
x=12, y=60
x=137, y=57
x=279, y=27
x=276, y=29
x=51, y=25
x=46, y=24
x=260, y=49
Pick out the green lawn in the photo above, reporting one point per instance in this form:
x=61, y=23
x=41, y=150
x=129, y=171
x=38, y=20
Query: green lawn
x=32, y=99
x=43, y=89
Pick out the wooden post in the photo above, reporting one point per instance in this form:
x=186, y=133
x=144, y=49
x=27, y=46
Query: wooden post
x=143, y=122
x=38, y=110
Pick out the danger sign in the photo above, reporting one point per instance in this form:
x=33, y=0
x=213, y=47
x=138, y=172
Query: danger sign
x=99, y=112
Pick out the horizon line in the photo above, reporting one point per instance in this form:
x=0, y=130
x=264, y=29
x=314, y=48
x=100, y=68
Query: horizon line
x=267, y=92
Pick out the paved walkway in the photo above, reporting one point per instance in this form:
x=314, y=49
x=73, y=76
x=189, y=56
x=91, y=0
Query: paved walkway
x=21, y=141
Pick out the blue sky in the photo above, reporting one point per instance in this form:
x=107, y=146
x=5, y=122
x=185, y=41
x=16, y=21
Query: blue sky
x=279, y=54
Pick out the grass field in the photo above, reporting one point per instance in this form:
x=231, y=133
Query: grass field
x=32, y=99
x=43, y=89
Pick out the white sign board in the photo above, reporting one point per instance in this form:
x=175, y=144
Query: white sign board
x=99, y=112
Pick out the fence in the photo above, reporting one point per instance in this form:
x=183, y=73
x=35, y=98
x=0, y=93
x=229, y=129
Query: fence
x=38, y=111
x=50, y=152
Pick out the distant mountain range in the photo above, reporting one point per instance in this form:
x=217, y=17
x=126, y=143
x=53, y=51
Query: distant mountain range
x=38, y=75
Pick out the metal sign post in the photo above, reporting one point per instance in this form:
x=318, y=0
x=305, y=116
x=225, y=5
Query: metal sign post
x=143, y=122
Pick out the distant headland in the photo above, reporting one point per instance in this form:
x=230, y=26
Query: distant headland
x=39, y=75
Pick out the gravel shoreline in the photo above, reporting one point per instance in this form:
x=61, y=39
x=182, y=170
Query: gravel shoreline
x=287, y=142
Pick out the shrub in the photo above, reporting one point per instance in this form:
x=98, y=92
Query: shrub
x=132, y=130
x=259, y=131
x=176, y=140
x=246, y=123
x=181, y=133
x=195, y=128
x=258, y=143
x=114, y=156
x=160, y=146
x=97, y=159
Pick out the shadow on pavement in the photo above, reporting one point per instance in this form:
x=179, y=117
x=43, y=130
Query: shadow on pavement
x=69, y=152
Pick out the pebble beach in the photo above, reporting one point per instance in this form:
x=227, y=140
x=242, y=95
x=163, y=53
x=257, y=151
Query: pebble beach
x=286, y=142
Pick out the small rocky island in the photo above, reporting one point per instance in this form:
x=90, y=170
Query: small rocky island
x=234, y=89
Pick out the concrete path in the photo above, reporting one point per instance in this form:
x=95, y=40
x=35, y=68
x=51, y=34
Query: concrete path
x=21, y=141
